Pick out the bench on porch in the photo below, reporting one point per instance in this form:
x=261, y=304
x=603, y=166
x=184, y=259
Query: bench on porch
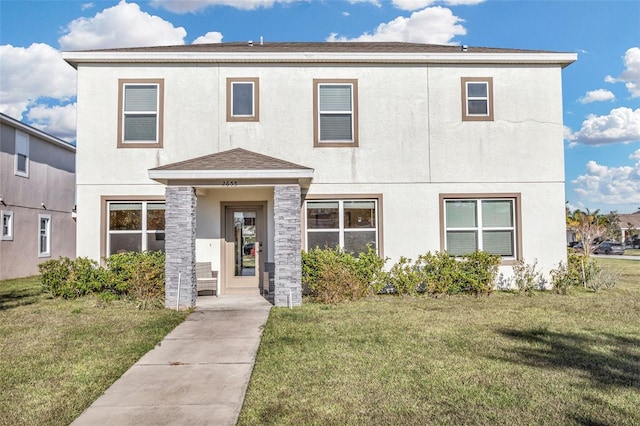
x=206, y=279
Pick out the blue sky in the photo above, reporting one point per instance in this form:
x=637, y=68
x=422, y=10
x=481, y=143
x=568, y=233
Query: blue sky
x=601, y=90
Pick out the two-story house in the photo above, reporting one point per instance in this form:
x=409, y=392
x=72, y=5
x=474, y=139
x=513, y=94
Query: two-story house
x=37, y=197
x=244, y=154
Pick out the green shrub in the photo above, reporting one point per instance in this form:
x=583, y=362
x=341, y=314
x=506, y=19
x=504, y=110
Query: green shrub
x=561, y=279
x=442, y=273
x=70, y=279
x=332, y=275
x=406, y=277
x=139, y=275
x=479, y=272
x=603, y=278
x=577, y=272
x=526, y=278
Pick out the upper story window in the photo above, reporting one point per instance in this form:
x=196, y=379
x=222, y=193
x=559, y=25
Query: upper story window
x=243, y=99
x=477, y=99
x=7, y=225
x=21, y=162
x=335, y=113
x=488, y=223
x=140, y=113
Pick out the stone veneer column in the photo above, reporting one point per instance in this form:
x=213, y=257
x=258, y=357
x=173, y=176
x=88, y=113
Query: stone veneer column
x=180, y=246
x=287, y=244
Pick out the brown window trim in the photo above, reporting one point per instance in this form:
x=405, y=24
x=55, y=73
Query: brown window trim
x=317, y=143
x=470, y=117
x=256, y=98
x=516, y=196
x=159, y=142
x=318, y=197
x=104, y=204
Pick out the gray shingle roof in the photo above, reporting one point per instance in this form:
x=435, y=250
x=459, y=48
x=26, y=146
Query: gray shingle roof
x=320, y=47
x=234, y=159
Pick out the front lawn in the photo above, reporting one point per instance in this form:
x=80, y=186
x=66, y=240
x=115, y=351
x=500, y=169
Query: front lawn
x=58, y=356
x=505, y=359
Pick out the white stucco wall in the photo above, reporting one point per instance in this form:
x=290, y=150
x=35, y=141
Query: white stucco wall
x=413, y=144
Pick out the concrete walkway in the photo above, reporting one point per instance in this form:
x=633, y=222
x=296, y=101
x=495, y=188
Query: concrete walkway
x=197, y=375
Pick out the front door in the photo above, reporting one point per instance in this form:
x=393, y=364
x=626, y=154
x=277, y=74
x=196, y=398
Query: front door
x=244, y=234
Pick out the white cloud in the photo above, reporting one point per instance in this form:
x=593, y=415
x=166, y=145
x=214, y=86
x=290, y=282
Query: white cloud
x=210, y=37
x=631, y=75
x=419, y=4
x=86, y=6
x=598, y=95
x=436, y=25
x=59, y=120
x=190, y=6
x=610, y=185
x=123, y=25
x=621, y=125
x=28, y=74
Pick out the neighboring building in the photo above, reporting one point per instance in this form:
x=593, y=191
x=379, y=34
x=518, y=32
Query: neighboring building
x=630, y=228
x=257, y=151
x=37, y=197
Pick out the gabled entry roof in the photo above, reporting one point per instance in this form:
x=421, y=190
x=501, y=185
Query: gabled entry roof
x=238, y=165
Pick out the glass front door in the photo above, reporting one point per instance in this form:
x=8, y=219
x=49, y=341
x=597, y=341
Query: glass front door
x=244, y=234
x=244, y=253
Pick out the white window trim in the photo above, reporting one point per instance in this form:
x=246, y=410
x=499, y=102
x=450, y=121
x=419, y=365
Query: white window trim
x=9, y=235
x=478, y=98
x=341, y=229
x=480, y=229
x=255, y=99
x=26, y=154
x=126, y=113
x=354, y=140
x=466, y=115
x=159, y=113
x=142, y=232
x=47, y=251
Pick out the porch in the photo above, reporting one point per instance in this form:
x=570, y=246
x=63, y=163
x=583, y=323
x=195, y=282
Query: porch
x=239, y=211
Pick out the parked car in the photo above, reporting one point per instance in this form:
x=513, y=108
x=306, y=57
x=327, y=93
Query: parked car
x=610, y=247
x=579, y=247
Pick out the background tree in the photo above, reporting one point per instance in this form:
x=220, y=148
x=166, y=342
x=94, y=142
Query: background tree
x=588, y=227
x=632, y=234
x=612, y=223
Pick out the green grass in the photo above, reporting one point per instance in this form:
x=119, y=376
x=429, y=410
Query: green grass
x=58, y=356
x=505, y=359
x=632, y=252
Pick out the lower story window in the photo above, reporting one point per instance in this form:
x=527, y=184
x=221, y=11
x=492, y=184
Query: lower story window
x=487, y=224
x=44, y=235
x=135, y=226
x=348, y=224
x=7, y=225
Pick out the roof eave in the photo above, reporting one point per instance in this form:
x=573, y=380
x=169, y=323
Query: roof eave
x=550, y=58
x=37, y=133
x=173, y=175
